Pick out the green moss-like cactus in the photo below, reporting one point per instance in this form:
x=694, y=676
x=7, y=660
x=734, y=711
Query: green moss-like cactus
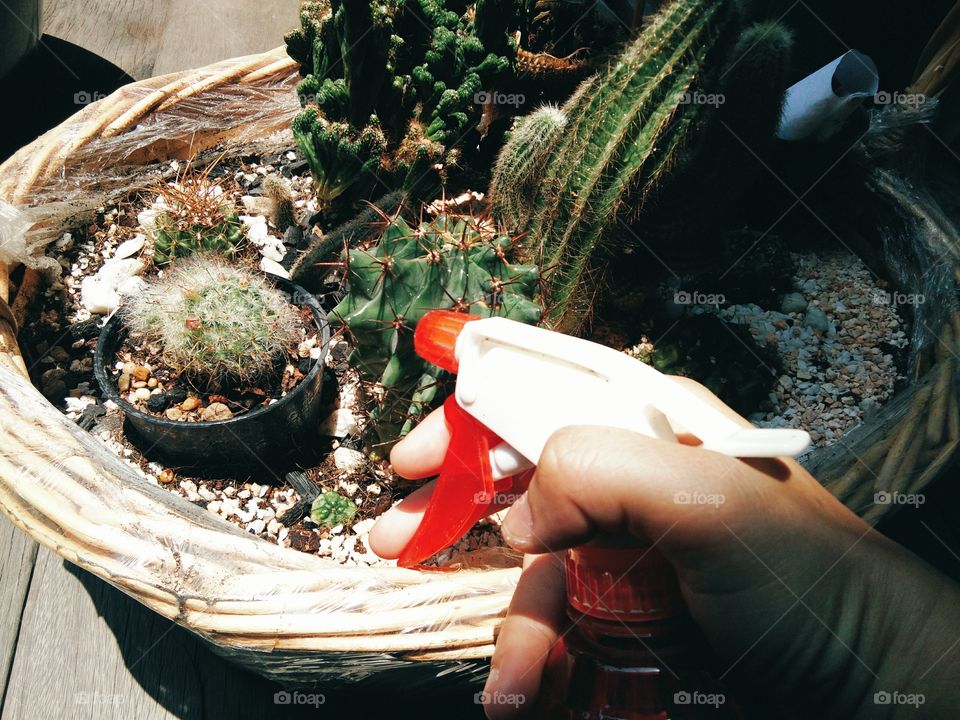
x=639, y=124
x=213, y=320
x=389, y=89
x=521, y=163
x=450, y=262
x=330, y=509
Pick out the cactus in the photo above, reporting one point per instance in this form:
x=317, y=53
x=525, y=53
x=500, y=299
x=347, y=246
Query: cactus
x=175, y=237
x=450, y=262
x=634, y=126
x=214, y=321
x=330, y=509
x=388, y=90
x=312, y=267
x=192, y=215
x=281, y=209
x=521, y=162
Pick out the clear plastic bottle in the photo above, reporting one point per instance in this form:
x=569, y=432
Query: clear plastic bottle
x=633, y=651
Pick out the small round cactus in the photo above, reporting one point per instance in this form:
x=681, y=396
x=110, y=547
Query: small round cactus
x=210, y=319
x=331, y=509
x=193, y=215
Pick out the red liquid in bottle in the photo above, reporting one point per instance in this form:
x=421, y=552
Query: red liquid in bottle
x=633, y=652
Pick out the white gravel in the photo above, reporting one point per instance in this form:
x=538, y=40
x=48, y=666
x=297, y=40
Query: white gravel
x=835, y=371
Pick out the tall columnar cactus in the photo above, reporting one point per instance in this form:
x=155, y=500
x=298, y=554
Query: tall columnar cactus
x=214, y=321
x=521, y=162
x=635, y=126
x=451, y=262
x=389, y=88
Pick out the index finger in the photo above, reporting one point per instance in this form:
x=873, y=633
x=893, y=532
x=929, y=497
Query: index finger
x=420, y=454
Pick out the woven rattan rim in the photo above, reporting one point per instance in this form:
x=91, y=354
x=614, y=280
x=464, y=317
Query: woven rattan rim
x=70, y=494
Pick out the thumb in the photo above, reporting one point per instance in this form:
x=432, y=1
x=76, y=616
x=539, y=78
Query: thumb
x=592, y=480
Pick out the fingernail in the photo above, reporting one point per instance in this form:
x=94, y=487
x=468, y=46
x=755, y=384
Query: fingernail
x=518, y=525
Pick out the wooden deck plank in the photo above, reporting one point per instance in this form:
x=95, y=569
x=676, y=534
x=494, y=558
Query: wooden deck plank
x=70, y=664
x=125, y=32
x=86, y=650
x=197, y=34
x=153, y=37
x=17, y=556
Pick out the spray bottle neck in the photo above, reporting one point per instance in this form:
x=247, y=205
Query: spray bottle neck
x=623, y=584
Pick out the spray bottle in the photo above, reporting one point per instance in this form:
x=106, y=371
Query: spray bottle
x=634, y=652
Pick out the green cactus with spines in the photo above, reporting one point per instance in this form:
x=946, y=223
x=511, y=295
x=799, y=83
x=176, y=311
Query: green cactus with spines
x=330, y=509
x=388, y=90
x=520, y=163
x=214, y=321
x=175, y=238
x=630, y=129
x=724, y=150
x=312, y=267
x=450, y=262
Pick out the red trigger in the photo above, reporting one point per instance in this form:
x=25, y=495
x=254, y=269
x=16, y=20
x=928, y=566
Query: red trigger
x=463, y=492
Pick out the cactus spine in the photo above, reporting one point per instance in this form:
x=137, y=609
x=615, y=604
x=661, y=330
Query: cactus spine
x=628, y=129
x=281, y=209
x=450, y=262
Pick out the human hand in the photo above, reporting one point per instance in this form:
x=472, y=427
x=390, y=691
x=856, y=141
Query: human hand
x=796, y=594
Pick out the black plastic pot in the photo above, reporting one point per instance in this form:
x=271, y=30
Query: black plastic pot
x=262, y=442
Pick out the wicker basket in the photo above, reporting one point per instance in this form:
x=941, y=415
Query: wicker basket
x=295, y=617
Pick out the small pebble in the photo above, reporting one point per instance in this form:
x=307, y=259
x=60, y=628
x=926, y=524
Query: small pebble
x=216, y=411
x=157, y=402
x=347, y=459
x=191, y=403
